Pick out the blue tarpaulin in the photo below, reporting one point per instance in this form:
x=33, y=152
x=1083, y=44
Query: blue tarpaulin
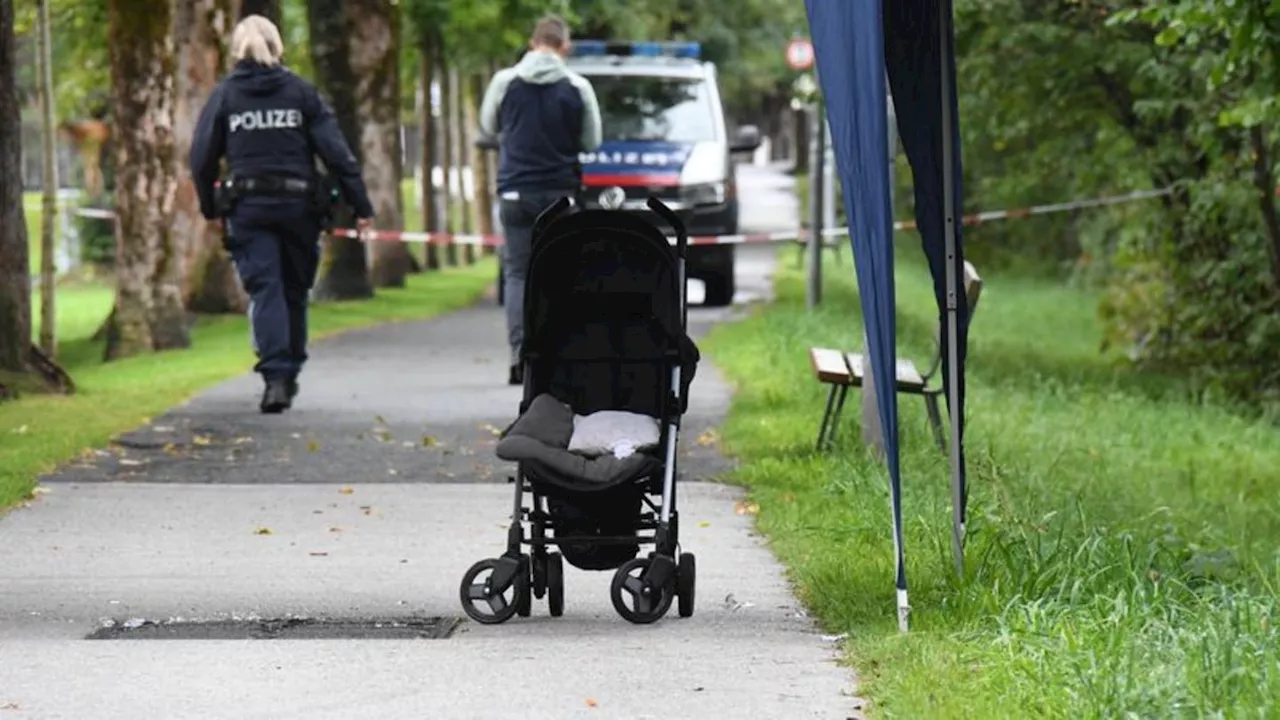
x=864, y=49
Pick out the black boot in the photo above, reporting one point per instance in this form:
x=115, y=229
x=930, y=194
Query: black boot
x=291, y=386
x=275, y=397
x=516, y=376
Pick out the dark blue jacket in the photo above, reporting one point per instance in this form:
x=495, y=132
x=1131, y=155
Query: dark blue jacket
x=268, y=121
x=546, y=115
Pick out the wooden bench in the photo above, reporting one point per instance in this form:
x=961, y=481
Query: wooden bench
x=844, y=370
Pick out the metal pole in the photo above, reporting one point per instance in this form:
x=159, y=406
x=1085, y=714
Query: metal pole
x=829, y=186
x=816, y=196
x=949, y=229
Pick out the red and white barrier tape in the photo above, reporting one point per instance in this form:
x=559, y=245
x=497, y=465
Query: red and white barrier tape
x=494, y=240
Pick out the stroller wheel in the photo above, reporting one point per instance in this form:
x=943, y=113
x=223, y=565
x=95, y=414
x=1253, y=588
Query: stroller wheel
x=490, y=602
x=686, y=574
x=539, y=563
x=635, y=599
x=555, y=584
x=524, y=601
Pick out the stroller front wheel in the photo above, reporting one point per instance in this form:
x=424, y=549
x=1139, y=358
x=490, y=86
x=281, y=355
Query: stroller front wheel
x=489, y=598
x=636, y=599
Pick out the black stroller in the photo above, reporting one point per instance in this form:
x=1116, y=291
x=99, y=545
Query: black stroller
x=605, y=322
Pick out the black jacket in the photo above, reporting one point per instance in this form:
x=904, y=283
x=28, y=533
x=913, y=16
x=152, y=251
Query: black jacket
x=268, y=121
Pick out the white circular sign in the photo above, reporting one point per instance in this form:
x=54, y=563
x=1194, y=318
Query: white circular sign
x=800, y=54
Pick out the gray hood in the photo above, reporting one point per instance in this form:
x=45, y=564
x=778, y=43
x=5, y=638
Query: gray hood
x=541, y=67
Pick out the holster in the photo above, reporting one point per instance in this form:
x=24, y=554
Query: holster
x=325, y=197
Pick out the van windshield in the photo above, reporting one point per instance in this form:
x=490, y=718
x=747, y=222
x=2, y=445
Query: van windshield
x=635, y=107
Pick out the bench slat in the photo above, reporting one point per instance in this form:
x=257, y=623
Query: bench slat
x=908, y=377
x=830, y=366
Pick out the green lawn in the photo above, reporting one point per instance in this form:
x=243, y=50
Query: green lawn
x=1124, y=543
x=39, y=433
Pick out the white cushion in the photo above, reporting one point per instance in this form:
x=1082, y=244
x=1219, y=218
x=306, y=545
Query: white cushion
x=613, y=431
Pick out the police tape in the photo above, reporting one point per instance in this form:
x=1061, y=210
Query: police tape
x=763, y=238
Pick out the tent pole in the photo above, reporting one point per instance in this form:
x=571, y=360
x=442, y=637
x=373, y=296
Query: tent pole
x=817, y=196
x=949, y=228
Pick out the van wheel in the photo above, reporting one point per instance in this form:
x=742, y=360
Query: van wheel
x=720, y=289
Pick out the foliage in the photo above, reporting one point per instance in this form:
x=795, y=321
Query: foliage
x=1122, y=547
x=1069, y=99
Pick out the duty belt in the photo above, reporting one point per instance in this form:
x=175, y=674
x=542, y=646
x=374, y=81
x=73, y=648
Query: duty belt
x=272, y=185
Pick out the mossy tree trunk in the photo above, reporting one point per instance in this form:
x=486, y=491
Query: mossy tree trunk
x=200, y=29
x=149, y=314
x=344, y=264
x=375, y=61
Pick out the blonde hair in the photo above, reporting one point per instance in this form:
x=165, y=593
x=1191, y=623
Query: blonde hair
x=258, y=39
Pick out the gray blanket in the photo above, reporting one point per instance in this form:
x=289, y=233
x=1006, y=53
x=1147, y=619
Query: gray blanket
x=542, y=433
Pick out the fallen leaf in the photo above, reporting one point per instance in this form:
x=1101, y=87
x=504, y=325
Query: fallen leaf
x=21, y=430
x=171, y=449
x=162, y=428
x=200, y=440
x=378, y=419
x=263, y=531
x=788, y=498
x=708, y=438
x=704, y=523
x=591, y=703
x=312, y=446
x=39, y=490
x=9, y=706
x=345, y=490
x=130, y=462
x=746, y=508
x=335, y=529
x=243, y=440
x=428, y=441
x=319, y=554
x=392, y=471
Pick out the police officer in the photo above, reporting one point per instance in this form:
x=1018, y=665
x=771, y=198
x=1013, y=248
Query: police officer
x=546, y=115
x=269, y=123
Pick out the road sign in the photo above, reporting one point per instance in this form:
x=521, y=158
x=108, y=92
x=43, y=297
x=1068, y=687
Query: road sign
x=800, y=54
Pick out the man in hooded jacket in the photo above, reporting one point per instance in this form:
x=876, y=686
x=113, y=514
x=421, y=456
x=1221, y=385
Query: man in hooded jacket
x=545, y=115
x=270, y=124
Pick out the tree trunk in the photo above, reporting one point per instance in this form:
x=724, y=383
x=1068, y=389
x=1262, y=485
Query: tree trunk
x=462, y=158
x=210, y=284
x=375, y=60
x=270, y=9
x=483, y=205
x=430, y=198
x=344, y=264
x=15, y=264
x=49, y=217
x=149, y=314
x=446, y=155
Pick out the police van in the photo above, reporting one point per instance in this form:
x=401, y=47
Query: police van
x=664, y=134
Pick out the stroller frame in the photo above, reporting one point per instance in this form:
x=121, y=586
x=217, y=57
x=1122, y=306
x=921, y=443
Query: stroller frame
x=643, y=587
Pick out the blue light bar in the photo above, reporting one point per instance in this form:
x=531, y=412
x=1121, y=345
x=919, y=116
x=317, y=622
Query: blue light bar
x=601, y=48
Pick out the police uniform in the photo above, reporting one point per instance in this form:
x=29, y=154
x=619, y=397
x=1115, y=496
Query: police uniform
x=270, y=124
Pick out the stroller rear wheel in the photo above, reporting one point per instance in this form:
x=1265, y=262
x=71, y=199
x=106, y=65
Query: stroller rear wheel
x=555, y=584
x=492, y=591
x=686, y=575
x=635, y=598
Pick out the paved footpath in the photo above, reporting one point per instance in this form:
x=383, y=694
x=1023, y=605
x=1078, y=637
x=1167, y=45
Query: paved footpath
x=368, y=501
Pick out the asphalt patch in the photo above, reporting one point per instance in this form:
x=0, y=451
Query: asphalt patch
x=417, y=628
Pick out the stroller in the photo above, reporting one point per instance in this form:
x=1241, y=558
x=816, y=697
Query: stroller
x=605, y=321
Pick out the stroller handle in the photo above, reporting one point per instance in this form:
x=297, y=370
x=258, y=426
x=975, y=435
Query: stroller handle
x=682, y=234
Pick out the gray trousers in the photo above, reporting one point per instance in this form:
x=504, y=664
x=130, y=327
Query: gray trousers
x=518, y=216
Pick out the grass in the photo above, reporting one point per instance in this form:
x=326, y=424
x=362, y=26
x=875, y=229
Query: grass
x=38, y=433
x=1123, y=541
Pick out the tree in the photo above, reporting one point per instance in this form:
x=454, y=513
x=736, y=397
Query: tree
x=375, y=62
x=49, y=209
x=210, y=282
x=270, y=9
x=149, y=314
x=344, y=265
x=22, y=366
